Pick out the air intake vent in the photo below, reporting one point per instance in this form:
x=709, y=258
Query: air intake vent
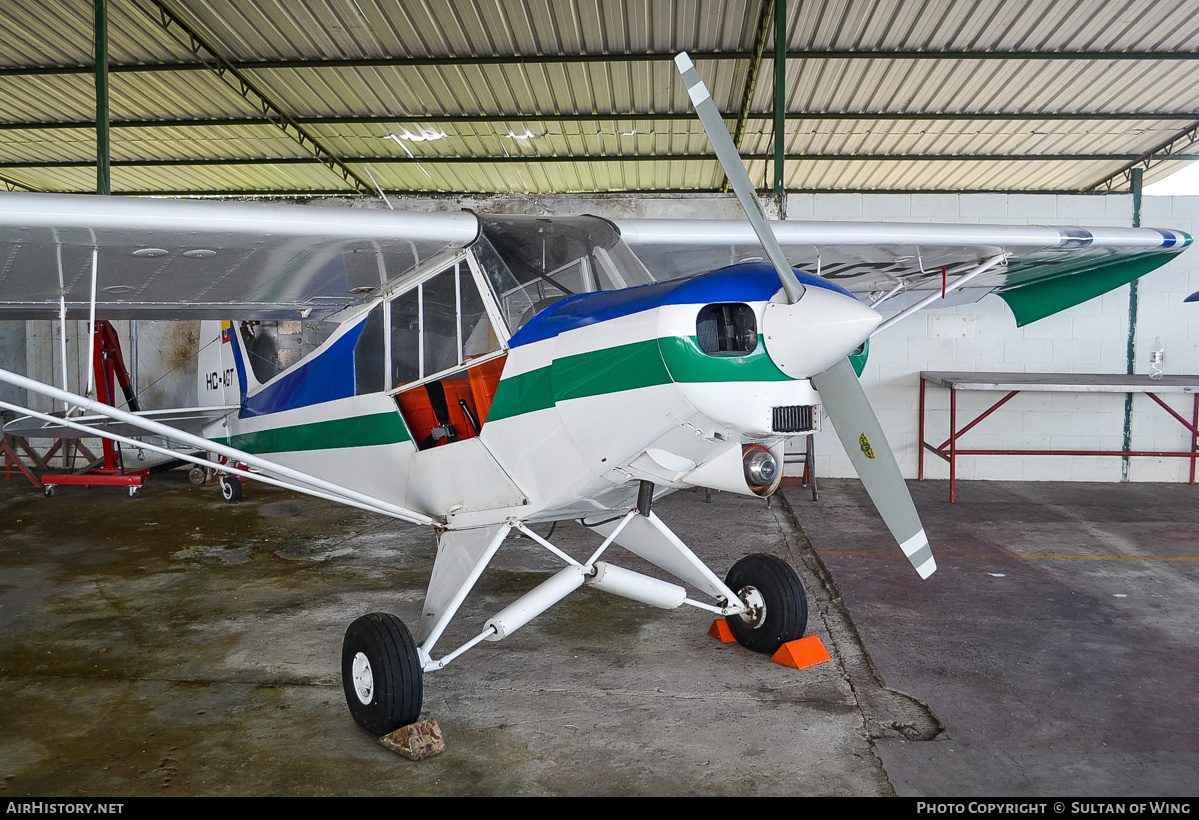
x=797, y=418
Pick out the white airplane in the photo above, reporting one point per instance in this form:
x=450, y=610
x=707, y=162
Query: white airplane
x=477, y=374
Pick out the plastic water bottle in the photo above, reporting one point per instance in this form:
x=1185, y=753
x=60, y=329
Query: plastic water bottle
x=1157, y=359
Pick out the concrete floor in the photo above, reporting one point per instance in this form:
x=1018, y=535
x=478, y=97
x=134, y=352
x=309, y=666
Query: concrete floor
x=173, y=644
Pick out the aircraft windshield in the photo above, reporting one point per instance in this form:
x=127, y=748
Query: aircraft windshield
x=533, y=262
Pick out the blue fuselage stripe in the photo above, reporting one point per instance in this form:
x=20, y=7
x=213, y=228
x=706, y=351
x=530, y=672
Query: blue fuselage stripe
x=746, y=282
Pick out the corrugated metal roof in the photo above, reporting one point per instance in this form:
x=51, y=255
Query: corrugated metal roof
x=545, y=96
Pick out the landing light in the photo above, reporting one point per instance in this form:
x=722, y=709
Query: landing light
x=761, y=469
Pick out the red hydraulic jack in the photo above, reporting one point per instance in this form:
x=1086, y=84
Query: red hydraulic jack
x=109, y=368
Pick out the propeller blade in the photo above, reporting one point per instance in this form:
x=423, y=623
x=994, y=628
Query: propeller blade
x=730, y=160
x=862, y=437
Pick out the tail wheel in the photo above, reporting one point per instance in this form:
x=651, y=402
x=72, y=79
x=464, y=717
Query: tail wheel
x=230, y=488
x=381, y=673
x=778, y=606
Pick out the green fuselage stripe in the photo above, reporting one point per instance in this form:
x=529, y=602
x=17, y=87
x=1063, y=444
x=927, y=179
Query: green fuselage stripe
x=611, y=370
x=688, y=363
x=357, y=431
x=627, y=367
x=521, y=394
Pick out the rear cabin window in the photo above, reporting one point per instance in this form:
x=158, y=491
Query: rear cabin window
x=273, y=347
x=368, y=355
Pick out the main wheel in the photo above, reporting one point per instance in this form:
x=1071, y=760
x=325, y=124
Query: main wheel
x=230, y=488
x=381, y=673
x=778, y=607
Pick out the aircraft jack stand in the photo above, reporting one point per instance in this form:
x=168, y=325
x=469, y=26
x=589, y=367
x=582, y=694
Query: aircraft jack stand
x=109, y=367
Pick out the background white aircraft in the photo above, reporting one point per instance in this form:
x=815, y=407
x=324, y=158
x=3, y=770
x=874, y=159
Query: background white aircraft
x=476, y=374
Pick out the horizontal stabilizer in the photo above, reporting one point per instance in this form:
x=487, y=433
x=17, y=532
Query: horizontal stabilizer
x=189, y=420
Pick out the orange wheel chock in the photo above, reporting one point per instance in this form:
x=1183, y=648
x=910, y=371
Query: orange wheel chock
x=802, y=653
x=720, y=631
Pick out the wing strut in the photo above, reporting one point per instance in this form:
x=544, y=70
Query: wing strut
x=303, y=482
x=961, y=281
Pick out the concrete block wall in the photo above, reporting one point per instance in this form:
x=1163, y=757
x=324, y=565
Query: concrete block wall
x=1091, y=337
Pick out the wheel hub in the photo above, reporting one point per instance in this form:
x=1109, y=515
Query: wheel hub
x=364, y=679
x=755, y=607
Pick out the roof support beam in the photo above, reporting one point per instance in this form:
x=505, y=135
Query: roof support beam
x=14, y=185
x=507, y=160
x=765, y=18
x=593, y=59
x=751, y=77
x=456, y=119
x=1161, y=153
x=234, y=78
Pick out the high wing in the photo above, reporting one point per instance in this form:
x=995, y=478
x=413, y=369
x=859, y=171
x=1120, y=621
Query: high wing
x=167, y=258
x=1047, y=269
x=194, y=259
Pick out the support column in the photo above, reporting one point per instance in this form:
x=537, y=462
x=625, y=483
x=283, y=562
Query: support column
x=103, y=177
x=1136, y=183
x=780, y=94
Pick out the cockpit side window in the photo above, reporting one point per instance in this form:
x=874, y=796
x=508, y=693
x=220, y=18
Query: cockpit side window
x=439, y=325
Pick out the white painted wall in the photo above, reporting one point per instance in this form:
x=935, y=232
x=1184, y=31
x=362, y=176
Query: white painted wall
x=1089, y=338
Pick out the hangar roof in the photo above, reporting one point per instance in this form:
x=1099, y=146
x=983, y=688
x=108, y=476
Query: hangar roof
x=331, y=96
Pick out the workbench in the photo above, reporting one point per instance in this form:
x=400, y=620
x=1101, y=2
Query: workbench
x=1014, y=383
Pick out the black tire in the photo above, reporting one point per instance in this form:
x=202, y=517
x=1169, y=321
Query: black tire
x=196, y=476
x=783, y=615
x=390, y=690
x=230, y=489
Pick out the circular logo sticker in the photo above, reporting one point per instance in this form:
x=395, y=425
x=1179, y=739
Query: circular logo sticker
x=864, y=443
